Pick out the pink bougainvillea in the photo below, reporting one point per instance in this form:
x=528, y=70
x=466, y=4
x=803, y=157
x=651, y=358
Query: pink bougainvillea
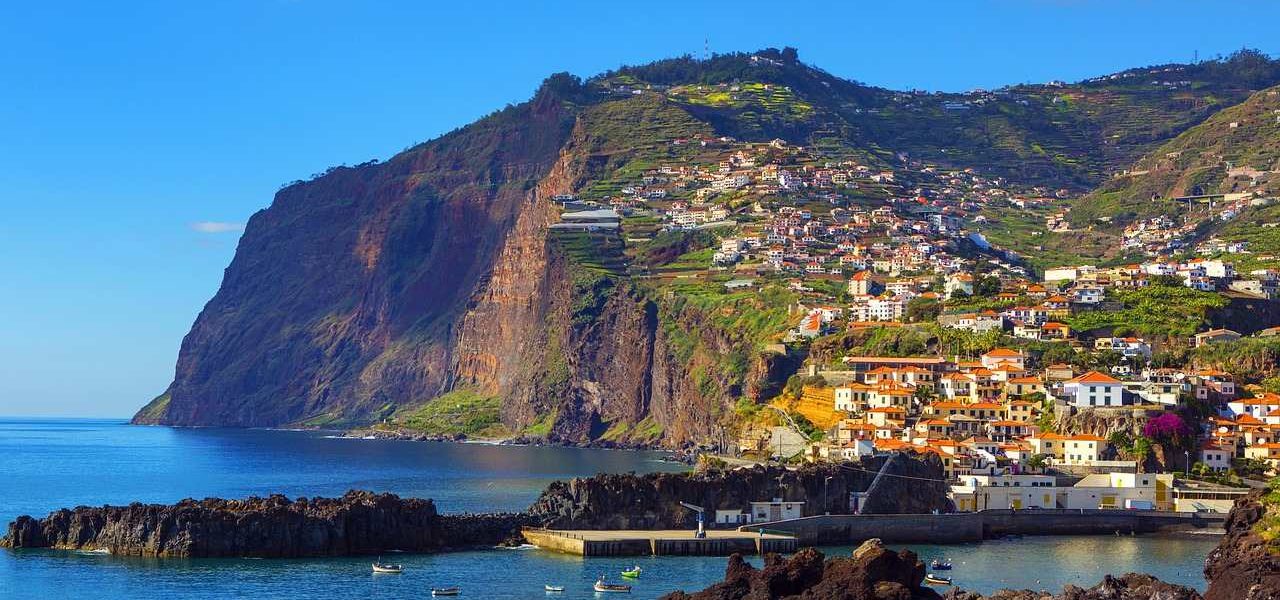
x=1166, y=427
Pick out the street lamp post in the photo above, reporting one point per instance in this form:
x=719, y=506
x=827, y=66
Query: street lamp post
x=826, y=506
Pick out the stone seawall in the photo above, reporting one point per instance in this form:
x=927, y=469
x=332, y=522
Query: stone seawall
x=957, y=528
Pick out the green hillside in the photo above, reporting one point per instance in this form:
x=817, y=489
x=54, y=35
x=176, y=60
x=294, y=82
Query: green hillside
x=1223, y=155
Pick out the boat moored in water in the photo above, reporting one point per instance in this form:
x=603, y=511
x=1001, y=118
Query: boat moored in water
x=381, y=567
x=632, y=573
x=615, y=588
x=449, y=591
x=553, y=588
x=939, y=565
x=932, y=579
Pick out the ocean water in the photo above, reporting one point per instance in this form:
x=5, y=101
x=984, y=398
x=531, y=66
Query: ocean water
x=48, y=464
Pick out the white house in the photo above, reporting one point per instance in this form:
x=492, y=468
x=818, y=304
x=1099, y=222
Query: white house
x=1094, y=389
x=775, y=510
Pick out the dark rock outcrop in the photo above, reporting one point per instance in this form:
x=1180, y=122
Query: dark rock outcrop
x=652, y=501
x=271, y=527
x=1132, y=586
x=875, y=573
x=1244, y=566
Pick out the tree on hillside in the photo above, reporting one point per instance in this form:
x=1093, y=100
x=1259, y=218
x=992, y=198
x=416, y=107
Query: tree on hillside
x=923, y=310
x=987, y=286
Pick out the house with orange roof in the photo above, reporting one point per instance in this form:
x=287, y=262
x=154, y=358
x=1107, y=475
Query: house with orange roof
x=1005, y=429
x=1022, y=386
x=1257, y=407
x=958, y=283
x=848, y=430
x=1069, y=449
x=1059, y=372
x=997, y=356
x=1083, y=449
x=1094, y=389
x=891, y=393
x=1021, y=410
x=958, y=386
x=1213, y=385
x=1269, y=452
x=1054, y=330
x=1255, y=436
x=891, y=444
x=886, y=415
x=1214, y=455
x=1006, y=371
x=851, y=397
x=934, y=428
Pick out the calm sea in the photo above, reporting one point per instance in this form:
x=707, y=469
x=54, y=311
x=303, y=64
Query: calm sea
x=48, y=464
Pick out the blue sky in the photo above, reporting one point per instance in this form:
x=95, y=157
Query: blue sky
x=135, y=137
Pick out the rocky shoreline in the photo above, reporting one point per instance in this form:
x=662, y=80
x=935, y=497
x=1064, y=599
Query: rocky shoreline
x=409, y=435
x=272, y=527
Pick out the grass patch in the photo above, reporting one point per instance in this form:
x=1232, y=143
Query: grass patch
x=459, y=411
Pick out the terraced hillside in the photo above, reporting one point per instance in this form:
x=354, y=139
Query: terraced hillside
x=1236, y=150
x=1059, y=135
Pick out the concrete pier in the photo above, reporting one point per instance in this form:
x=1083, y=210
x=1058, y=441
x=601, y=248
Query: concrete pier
x=988, y=524
x=658, y=543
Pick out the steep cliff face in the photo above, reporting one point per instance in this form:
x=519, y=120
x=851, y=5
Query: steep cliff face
x=343, y=297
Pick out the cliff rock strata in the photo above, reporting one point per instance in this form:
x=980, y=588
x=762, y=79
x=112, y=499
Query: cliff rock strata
x=363, y=294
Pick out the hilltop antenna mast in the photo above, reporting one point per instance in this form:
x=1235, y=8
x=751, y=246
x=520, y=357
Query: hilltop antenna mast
x=706, y=48
x=1195, y=57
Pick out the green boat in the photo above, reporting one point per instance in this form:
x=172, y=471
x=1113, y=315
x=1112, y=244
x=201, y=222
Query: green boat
x=632, y=574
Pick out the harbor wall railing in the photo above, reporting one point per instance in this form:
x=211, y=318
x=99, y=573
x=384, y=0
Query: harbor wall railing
x=987, y=524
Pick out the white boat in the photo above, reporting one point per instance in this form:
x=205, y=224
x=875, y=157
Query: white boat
x=380, y=567
x=932, y=579
x=614, y=588
x=449, y=591
x=554, y=588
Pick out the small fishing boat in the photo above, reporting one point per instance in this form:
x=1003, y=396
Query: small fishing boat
x=615, y=588
x=449, y=591
x=381, y=567
x=932, y=579
x=633, y=573
x=554, y=588
x=939, y=565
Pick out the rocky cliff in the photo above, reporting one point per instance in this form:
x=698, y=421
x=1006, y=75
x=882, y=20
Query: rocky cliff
x=652, y=501
x=272, y=527
x=1246, y=564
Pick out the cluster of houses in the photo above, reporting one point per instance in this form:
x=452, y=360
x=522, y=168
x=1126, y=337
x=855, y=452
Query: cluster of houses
x=981, y=418
x=1087, y=283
